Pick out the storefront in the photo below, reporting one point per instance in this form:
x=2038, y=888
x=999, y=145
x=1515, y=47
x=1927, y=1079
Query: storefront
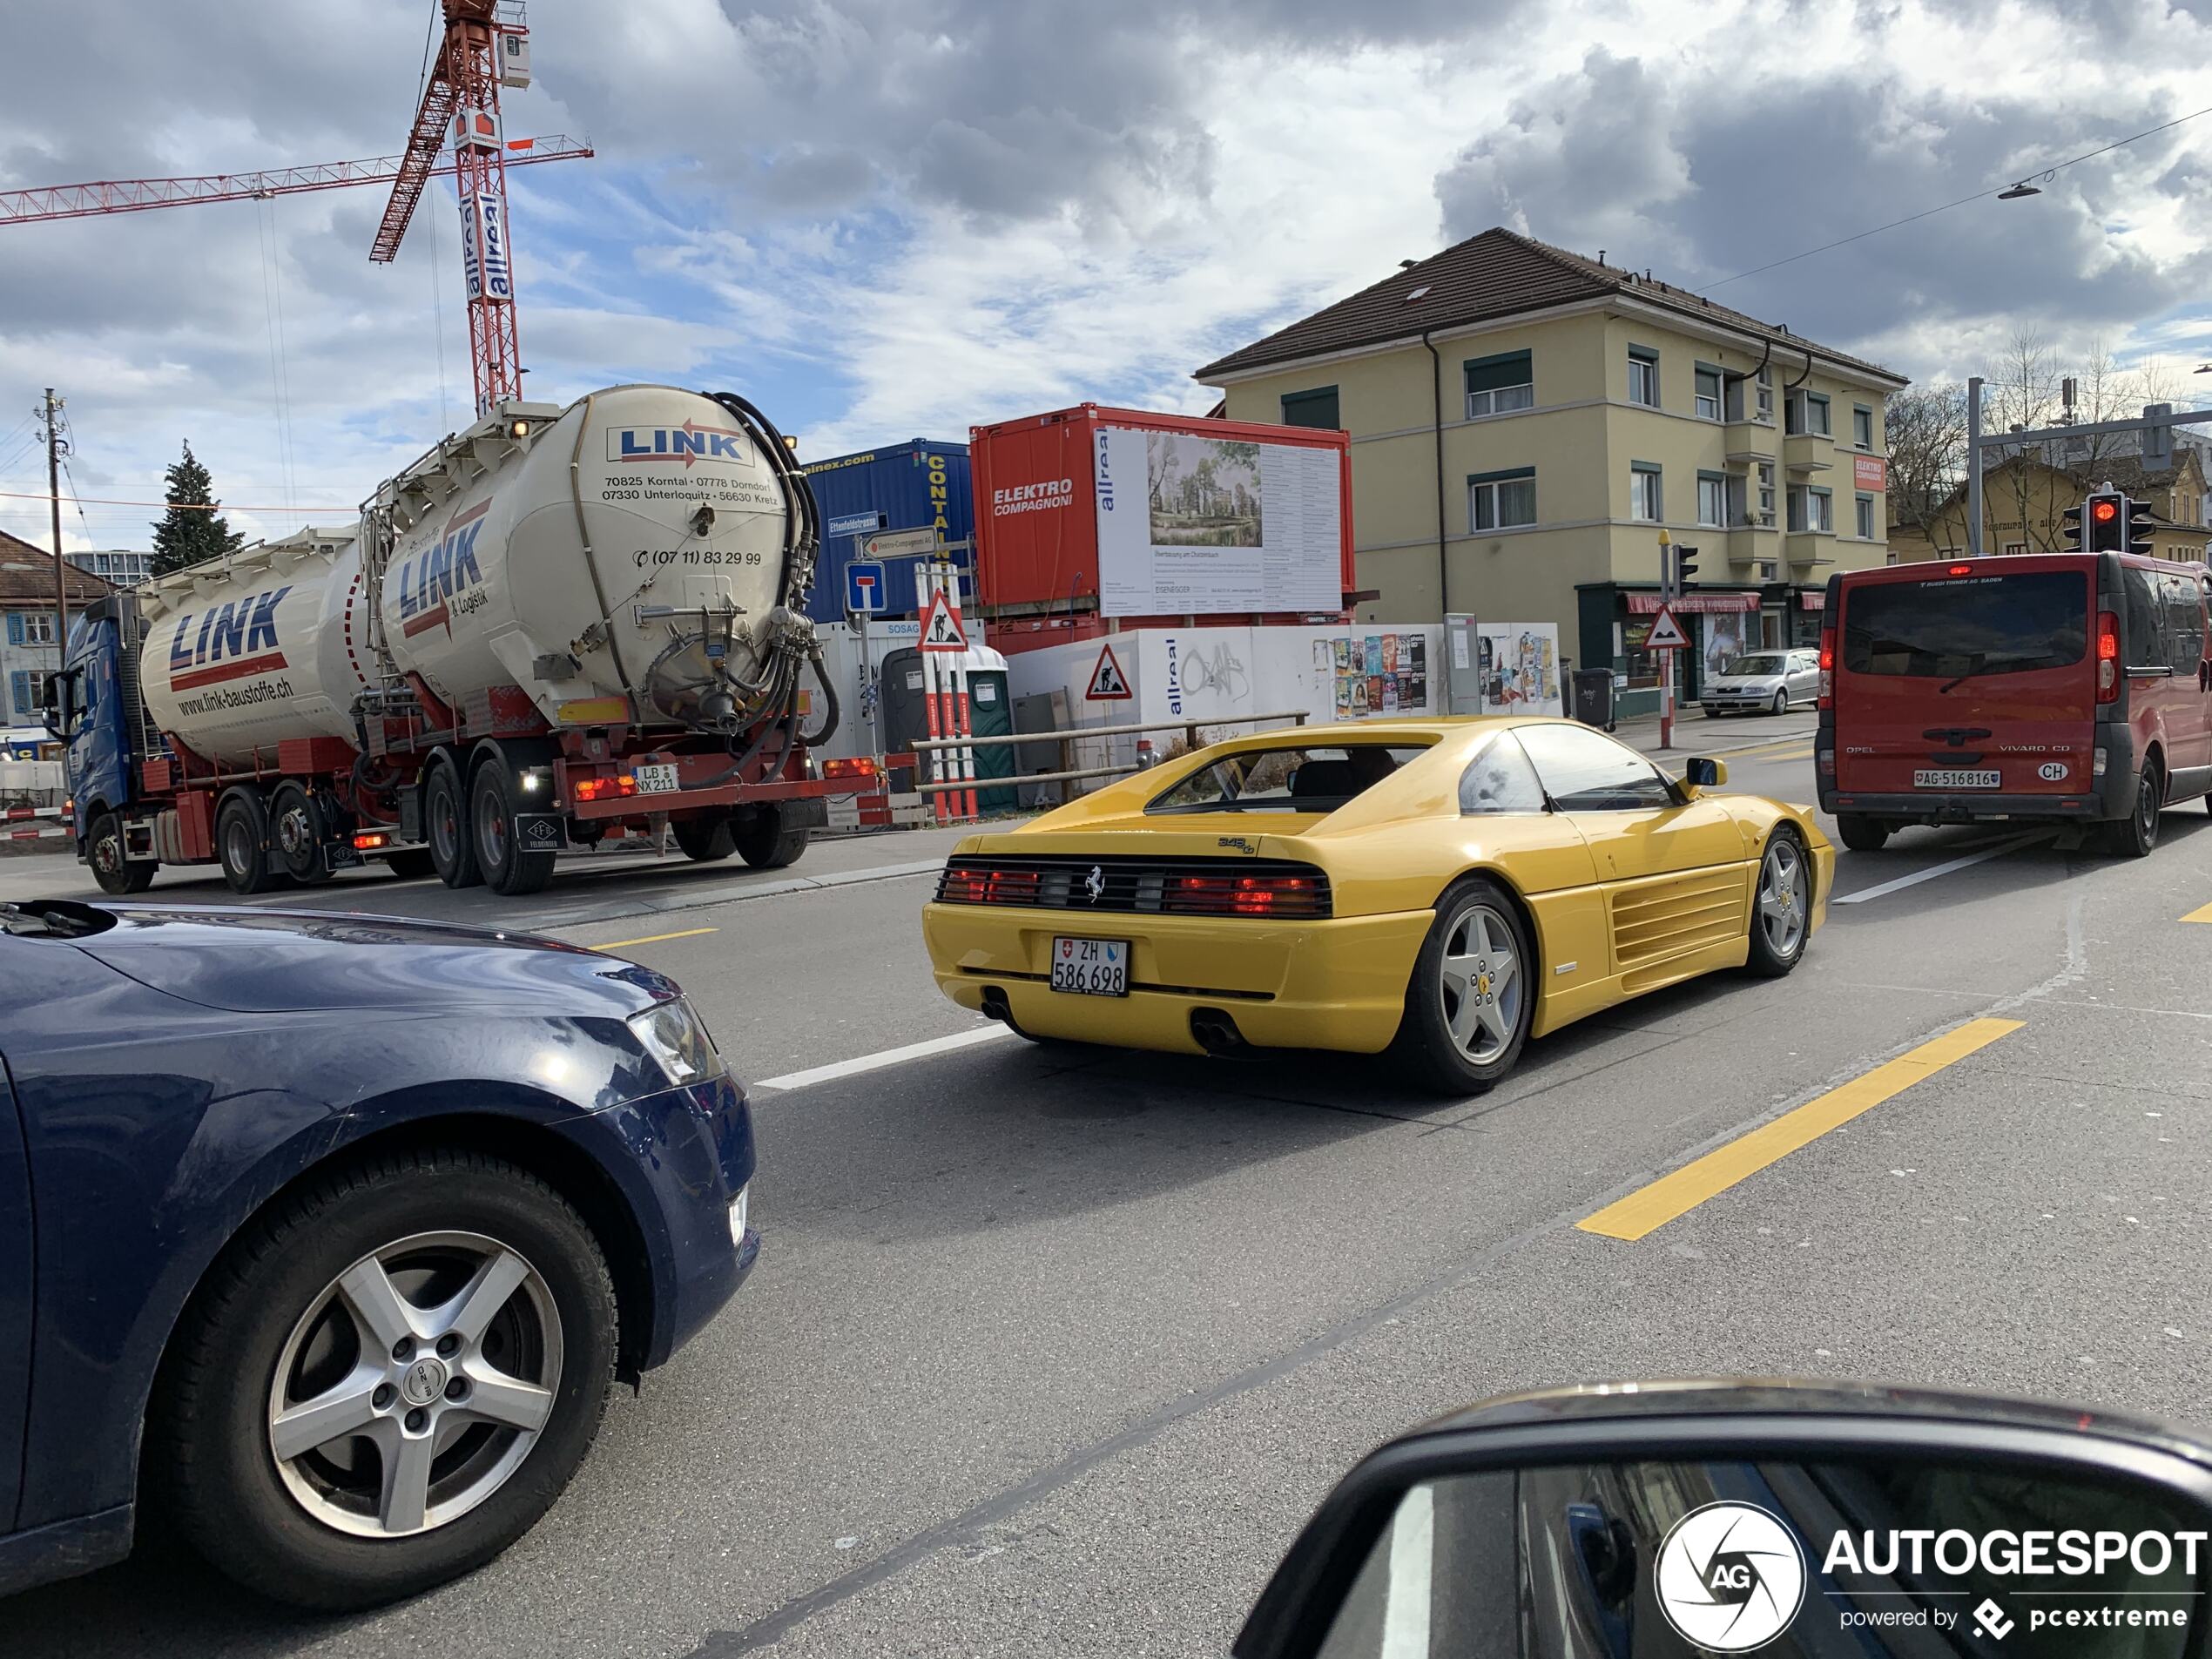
x=1721, y=623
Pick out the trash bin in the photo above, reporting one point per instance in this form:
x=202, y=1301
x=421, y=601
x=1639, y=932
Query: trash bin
x=1594, y=697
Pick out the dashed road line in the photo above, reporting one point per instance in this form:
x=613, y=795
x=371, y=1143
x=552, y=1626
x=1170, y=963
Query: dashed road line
x=653, y=938
x=2009, y=844
x=868, y=1062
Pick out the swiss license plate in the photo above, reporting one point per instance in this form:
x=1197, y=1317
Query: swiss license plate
x=655, y=779
x=1950, y=778
x=1090, y=966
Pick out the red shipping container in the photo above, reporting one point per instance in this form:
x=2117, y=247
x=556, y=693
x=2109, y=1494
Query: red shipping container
x=1137, y=515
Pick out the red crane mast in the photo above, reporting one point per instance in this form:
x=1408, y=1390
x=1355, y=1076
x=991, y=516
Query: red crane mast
x=486, y=43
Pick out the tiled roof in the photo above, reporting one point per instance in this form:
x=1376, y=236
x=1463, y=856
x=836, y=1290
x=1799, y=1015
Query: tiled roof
x=27, y=576
x=1495, y=275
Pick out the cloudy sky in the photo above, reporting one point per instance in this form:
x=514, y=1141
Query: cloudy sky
x=886, y=218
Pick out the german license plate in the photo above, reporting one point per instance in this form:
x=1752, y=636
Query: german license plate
x=655, y=779
x=1952, y=777
x=1090, y=966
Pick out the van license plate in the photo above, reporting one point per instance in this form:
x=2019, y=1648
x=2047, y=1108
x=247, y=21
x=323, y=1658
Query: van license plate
x=1982, y=778
x=655, y=779
x=1090, y=966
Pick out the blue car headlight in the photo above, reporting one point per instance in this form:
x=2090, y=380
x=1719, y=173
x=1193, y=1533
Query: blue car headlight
x=673, y=1034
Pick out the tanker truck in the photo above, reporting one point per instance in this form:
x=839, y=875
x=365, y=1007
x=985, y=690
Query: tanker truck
x=560, y=625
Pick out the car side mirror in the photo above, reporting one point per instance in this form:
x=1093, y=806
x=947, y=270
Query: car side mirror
x=1704, y=773
x=57, y=712
x=1713, y=1517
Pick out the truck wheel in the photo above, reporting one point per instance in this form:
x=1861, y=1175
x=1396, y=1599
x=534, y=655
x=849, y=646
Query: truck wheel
x=242, y=843
x=386, y=1379
x=508, y=868
x=445, y=819
x=705, y=841
x=763, y=842
x=103, y=852
x=1861, y=834
x=296, y=834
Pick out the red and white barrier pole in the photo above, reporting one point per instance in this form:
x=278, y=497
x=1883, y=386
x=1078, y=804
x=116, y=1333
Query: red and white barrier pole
x=951, y=578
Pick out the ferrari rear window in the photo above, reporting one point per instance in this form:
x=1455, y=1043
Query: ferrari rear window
x=1319, y=780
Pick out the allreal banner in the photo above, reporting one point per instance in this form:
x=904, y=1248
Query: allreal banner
x=1193, y=523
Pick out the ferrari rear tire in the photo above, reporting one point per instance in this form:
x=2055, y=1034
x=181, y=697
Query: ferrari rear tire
x=1780, y=907
x=1473, y=995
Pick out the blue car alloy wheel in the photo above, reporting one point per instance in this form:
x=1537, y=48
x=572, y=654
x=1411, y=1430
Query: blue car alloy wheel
x=388, y=1379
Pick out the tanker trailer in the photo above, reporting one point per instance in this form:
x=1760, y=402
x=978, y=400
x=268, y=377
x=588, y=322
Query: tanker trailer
x=557, y=626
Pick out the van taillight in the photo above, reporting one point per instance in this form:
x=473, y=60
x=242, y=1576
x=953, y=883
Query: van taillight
x=1827, y=668
x=2108, y=657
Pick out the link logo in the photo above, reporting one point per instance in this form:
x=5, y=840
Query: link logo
x=1729, y=1577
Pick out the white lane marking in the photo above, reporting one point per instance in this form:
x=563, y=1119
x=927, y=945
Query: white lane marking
x=2007, y=845
x=1412, y=1553
x=867, y=1062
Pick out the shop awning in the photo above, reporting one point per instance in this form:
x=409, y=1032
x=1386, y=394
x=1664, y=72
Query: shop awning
x=1647, y=605
x=1816, y=600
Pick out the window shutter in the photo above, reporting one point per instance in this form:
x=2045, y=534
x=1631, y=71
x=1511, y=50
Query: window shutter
x=19, y=687
x=1490, y=374
x=15, y=627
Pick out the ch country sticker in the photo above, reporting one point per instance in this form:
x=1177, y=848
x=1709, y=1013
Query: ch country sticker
x=228, y=643
x=445, y=577
x=686, y=446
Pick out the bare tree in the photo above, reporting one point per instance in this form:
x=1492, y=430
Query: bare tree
x=1925, y=426
x=2019, y=393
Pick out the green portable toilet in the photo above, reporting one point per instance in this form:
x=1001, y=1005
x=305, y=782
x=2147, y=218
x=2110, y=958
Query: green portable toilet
x=990, y=714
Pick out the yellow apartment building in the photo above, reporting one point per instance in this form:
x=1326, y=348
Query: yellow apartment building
x=1524, y=421
x=2024, y=500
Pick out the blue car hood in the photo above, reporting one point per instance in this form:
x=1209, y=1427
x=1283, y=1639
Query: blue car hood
x=276, y=961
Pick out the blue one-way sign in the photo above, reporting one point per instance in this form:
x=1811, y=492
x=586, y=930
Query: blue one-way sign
x=863, y=588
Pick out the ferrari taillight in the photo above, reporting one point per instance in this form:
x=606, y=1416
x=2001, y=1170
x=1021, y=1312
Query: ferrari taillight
x=1244, y=895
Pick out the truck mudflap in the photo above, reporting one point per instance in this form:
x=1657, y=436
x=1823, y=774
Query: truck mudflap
x=541, y=832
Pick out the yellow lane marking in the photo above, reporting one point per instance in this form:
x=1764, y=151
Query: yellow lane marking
x=653, y=939
x=1789, y=754
x=1652, y=1207
x=2204, y=915
x=1762, y=749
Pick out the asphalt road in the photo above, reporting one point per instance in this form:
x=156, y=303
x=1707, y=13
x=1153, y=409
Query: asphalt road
x=1053, y=1353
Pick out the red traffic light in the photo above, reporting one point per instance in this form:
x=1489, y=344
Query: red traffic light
x=2104, y=512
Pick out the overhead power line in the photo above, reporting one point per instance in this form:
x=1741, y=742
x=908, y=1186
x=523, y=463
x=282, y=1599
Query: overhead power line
x=1930, y=213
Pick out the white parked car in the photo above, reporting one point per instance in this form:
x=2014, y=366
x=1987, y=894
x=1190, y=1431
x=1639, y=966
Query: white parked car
x=1771, y=680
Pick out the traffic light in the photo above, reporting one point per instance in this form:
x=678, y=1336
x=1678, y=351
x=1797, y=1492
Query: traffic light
x=2137, y=516
x=2072, y=528
x=2108, y=519
x=1685, y=567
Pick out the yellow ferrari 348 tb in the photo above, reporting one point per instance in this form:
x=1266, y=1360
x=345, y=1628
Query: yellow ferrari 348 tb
x=1441, y=889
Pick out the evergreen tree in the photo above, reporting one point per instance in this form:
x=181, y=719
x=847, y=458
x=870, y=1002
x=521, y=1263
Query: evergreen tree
x=186, y=534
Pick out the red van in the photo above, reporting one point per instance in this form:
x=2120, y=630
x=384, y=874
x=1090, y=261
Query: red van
x=2062, y=687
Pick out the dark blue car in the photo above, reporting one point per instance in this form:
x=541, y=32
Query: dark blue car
x=327, y=1233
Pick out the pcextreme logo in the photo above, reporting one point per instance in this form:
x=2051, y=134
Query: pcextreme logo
x=1729, y=1577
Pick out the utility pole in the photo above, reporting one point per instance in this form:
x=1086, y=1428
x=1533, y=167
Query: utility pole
x=54, y=500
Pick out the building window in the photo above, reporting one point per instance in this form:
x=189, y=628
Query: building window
x=1316, y=409
x=1865, y=506
x=1814, y=418
x=27, y=688
x=1709, y=393
x=1643, y=377
x=1766, y=495
x=1811, y=509
x=1644, y=499
x=30, y=628
x=1712, y=500
x=1495, y=385
x=2014, y=548
x=1502, y=500
x=1766, y=393
x=1862, y=426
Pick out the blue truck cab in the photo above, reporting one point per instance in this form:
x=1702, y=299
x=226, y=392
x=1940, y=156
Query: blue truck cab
x=93, y=705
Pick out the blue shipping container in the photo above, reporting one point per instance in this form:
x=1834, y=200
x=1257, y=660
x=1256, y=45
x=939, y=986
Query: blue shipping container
x=913, y=485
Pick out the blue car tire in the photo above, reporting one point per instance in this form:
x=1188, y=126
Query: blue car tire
x=385, y=1380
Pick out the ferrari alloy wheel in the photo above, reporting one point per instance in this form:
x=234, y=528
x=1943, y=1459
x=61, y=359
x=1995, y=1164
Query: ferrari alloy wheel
x=1782, y=907
x=1471, y=999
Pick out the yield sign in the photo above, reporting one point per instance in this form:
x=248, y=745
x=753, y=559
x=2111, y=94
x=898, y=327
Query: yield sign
x=941, y=628
x=1666, y=633
x=1108, y=683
